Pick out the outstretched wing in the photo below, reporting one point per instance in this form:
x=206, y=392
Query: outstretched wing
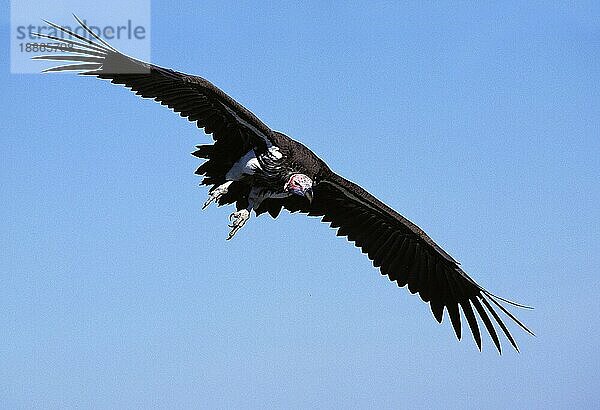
x=234, y=128
x=404, y=253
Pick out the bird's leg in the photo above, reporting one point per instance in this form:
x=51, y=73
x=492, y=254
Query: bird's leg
x=217, y=193
x=239, y=218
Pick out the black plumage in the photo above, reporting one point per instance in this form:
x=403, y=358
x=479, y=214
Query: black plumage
x=399, y=248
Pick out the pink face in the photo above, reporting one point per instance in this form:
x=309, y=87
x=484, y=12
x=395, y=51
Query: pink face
x=300, y=184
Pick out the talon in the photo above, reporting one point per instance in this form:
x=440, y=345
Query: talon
x=210, y=199
x=239, y=220
x=217, y=193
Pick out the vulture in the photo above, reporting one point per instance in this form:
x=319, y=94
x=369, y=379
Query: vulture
x=262, y=170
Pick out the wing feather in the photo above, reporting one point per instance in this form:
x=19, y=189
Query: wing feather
x=408, y=256
x=191, y=96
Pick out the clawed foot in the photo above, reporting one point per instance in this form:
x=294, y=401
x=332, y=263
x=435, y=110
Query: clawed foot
x=216, y=194
x=238, y=219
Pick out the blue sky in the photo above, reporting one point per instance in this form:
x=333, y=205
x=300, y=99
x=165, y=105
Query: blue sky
x=478, y=122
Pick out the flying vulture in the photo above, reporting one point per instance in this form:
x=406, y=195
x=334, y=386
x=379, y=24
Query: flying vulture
x=262, y=170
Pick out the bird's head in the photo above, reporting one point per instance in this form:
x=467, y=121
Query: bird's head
x=300, y=184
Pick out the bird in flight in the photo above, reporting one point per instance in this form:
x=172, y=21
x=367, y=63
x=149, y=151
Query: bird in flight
x=262, y=170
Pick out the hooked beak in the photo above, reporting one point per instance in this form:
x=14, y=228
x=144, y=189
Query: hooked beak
x=309, y=195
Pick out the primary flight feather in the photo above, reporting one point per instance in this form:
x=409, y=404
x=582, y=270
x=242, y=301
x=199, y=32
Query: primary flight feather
x=263, y=170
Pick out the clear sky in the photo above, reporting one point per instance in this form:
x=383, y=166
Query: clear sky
x=479, y=123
